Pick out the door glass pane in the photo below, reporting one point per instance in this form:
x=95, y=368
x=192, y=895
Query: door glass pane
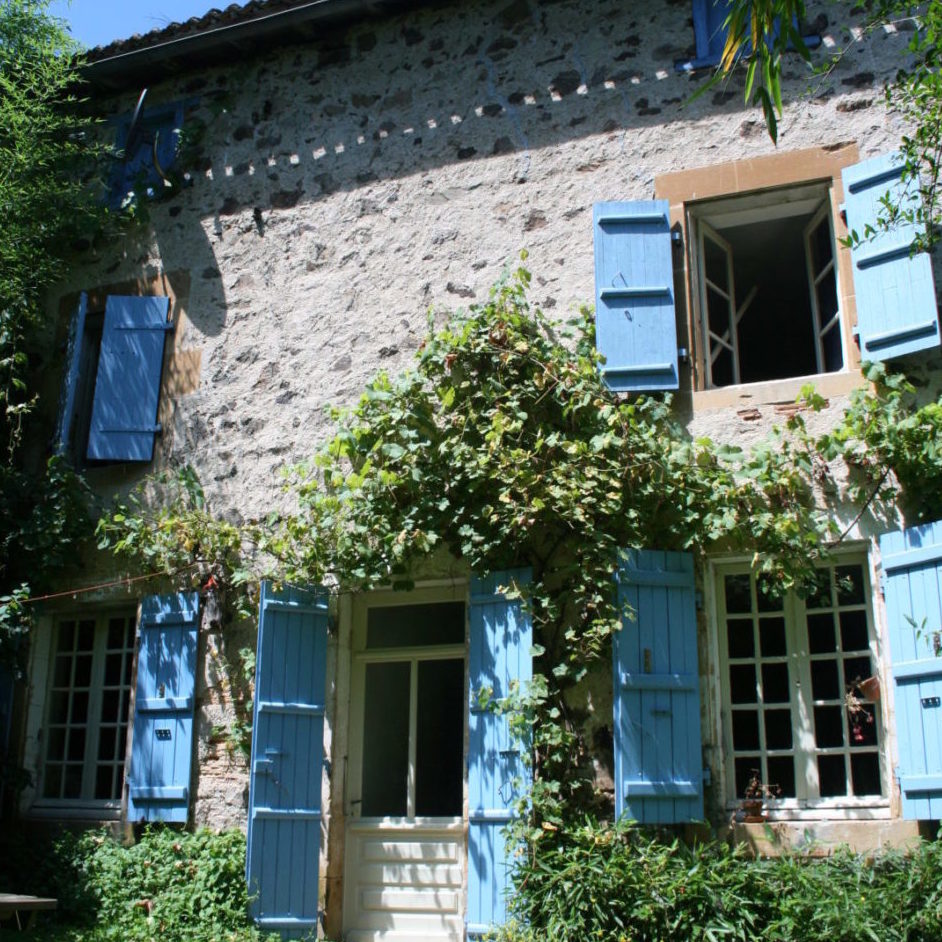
x=399, y=626
x=385, y=739
x=439, y=737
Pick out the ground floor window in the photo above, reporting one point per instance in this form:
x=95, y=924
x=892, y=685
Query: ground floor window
x=796, y=713
x=87, y=709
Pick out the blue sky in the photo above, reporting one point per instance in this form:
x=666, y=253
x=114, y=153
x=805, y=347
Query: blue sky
x=99, y=22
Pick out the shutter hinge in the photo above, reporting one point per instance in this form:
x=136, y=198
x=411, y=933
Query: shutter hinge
x=698, y=600
x=707, y=776
x=676, y=235
x=683, y=354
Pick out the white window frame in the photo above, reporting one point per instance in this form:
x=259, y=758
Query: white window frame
x=84, y=806
x=707, y=218
x=805, y=806
x=361, y=657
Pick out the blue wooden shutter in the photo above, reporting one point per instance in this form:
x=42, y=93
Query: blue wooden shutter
x=912, y=566
x=137, y=169
x=658, y=761
x=70, y=378
x=127, y=389
x=635, y=329
x=710, y=32
x=284, y=835
x=164, y=705
x=501, y=638
x=895, y=293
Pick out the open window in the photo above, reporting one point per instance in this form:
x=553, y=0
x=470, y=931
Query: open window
x=767, y=286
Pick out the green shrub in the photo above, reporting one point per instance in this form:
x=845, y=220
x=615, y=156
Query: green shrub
x=623, y=884
x=169, y=885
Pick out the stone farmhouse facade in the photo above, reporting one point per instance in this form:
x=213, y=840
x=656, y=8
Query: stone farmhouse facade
x=350, y=165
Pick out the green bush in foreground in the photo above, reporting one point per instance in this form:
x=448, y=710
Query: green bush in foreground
x=622, y=884
x=170, y=886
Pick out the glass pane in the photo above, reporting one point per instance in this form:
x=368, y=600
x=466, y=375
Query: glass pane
x=782, y=776
x=83, y=670
x=739, y=638
x=109, y=706
x=385, y=739
x=103, y=782
x=854, y=631
x=62, y=673
x=722, y=369
x=113, y=670
x=439, y=738
x=821, y=639
x=825, y=683
x=828, y=727
x=747, y=768
x=56, y=746
x=106, y=742
x=742, y=683
x=772, y=637
x=86, y=636
x=768, y=596
x=738, y=594
x=59, y=707
x=820, y=245
x=850, y=585
x=819, y=592
x=778, y=729
x=862, y=725
x=399, y=626
x=833, y=354
x=718, y=317
x=52, y=782
x=79, y=708
x=116, y=633
x=714, y=263
x=72, y=785
x=775, y=683
x=76, y=751
x=66, y=636
x=745, y=730
x=865, y=773
x=827, y=299
x=857, y=669
x=832, y=776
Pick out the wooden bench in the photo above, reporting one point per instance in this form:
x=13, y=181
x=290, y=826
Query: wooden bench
x=17, y=905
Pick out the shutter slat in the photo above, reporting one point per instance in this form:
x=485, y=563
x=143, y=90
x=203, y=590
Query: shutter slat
x=285, y=804
x=894, y=290
x=501, y=637
x=634, y=312
x=913, y=593
x=162, y=743
x=657, y=691
x=127, y=387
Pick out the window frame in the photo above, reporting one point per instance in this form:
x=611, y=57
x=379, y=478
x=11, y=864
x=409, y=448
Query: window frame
x=705, y=220
x=760, y=178
x=804, y=806
x=99, y=808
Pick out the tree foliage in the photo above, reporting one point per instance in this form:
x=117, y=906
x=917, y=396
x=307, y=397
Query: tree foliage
x=48, y=204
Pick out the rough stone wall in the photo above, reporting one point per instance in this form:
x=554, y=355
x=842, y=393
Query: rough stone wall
x=346, y=188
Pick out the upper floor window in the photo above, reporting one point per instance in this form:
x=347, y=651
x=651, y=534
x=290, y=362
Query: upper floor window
x=766, y=286
x=111, y=386
x=736, y=271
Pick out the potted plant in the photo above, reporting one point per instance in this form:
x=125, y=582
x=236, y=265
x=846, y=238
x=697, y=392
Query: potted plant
x=752, y=804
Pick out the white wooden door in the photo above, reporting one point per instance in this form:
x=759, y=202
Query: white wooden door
x=404, y=853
